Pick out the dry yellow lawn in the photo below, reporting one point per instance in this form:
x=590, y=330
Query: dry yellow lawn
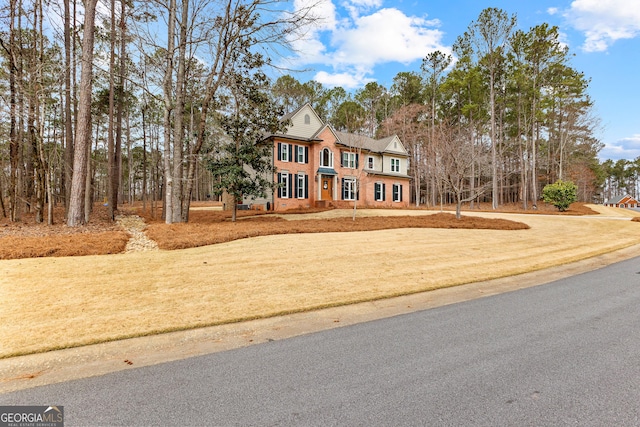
x=50, y=303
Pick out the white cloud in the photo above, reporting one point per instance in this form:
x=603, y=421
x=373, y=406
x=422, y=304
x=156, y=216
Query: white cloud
x=384, y=36
x=626, y=148
x=345, y=80
x=348, y=48
x=604, y=21
x=324, y=11
x=366, y=3
x=356, y=7
x=307, y=45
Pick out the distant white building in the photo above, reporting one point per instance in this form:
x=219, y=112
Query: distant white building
x=625, y=201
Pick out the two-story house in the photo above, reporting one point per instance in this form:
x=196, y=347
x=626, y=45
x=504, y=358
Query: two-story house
x=317, y=166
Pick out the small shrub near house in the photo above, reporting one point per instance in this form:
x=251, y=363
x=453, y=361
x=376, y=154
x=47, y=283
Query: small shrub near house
x=560, y=194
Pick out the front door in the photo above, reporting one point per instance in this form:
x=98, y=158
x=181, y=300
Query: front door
x=326, y=183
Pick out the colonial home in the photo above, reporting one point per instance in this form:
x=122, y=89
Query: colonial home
x=625, y=201
x=316, y=166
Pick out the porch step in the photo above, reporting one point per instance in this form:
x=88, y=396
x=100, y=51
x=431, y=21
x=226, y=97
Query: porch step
x=324, y=204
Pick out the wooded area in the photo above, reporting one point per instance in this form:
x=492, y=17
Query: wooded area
x=120, y=101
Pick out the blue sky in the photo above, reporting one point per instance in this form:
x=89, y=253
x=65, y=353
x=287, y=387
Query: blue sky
x=372, y=40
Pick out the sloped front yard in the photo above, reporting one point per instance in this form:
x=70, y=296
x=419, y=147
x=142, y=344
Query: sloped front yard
x=61, y=302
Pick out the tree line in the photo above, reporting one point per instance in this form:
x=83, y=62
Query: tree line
x=119, y=101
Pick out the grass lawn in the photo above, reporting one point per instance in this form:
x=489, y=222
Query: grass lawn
x=54, y=302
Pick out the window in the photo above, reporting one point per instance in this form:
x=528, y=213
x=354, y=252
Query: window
x=379, y=191
x=284, y=188
x=284, y=152
x=302, y=186
x=307, y=119
x=397, y=192
x=349, y=160
x=395, y=165
x=302, y=154
x=349, y=189
x=326, y=158
x=370, y=162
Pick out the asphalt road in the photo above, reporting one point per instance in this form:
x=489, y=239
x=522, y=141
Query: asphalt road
x=565, y=353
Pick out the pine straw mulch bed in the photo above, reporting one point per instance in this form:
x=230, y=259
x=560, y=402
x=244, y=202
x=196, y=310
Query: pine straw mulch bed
x=207, y=229
x=26, y=239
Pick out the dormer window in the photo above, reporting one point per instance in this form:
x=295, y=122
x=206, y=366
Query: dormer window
x=307, y=119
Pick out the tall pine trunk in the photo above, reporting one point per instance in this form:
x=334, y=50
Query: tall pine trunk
x=168, y=108
x=14, y=143
x=83, y=129
x=68, y=118
x=121, y=98
x=112, y=180
x=178, y=131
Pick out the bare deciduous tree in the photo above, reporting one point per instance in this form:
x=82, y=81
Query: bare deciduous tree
x=410, y=124
x=457, y=160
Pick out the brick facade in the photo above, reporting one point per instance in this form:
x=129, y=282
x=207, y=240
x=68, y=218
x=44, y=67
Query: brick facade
x=319, y=167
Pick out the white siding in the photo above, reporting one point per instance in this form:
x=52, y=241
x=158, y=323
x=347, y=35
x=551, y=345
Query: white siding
x=396, y=146
x=300, y=128
x=403, y=164
x=377, y=162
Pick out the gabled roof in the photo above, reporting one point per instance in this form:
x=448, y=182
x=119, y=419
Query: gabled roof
x=304, y=122
x=619, y=199
x=290, y=114
x=354, y=140
x=382, y=146
x=327, y=126
x=307, y=135
x=388, y=145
